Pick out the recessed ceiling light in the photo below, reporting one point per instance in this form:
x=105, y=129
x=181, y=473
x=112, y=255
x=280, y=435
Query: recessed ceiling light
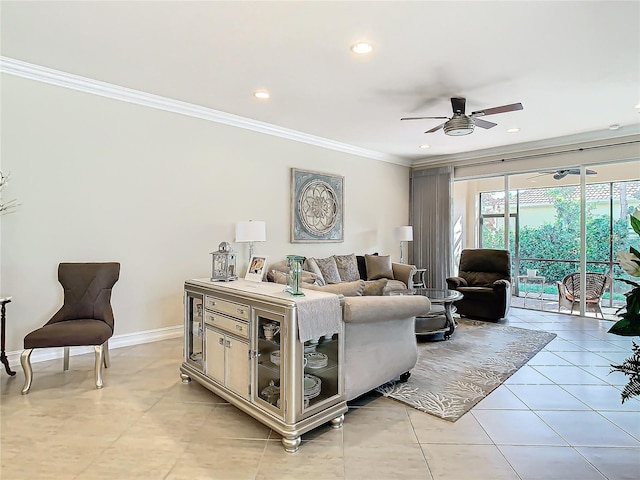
x=362, y=47
x=638, y=106
x=425, y=146
x=513, y=130
x=615, y=126
x=262, y=94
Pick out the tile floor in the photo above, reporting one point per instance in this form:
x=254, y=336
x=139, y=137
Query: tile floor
x=559, y=417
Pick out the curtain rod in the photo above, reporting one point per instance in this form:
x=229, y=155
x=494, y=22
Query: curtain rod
x=549, y=154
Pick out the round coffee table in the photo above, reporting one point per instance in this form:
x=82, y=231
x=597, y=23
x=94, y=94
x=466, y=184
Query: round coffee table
x=439, y=318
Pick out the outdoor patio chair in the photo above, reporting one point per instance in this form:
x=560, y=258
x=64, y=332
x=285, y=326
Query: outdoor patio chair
x=569, y=291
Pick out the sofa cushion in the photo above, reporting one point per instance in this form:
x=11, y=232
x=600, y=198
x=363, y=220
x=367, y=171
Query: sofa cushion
x=393, y=285
x=375, y=287
x=347, y=267
x=348, y=289
x=311, y=265
x=378, y=266
x=281, y=277
x=329, y=269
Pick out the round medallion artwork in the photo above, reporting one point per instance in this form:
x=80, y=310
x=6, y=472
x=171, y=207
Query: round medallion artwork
x=318, y=207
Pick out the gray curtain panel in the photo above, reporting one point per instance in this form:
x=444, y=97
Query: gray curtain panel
x=431, y=217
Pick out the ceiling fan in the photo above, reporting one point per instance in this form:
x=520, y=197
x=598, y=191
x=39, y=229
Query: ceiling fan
x=560, y=174
x=461, y=124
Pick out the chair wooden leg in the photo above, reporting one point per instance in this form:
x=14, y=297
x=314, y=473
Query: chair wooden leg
x=65, y=365
x=107, y=360
x=98, y=365
x=25, y=361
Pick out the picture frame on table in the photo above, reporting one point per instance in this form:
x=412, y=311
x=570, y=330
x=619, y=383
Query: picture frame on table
x=256, y=269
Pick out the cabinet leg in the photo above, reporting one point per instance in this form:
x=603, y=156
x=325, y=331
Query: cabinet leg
x=185, y=378
x=291, y=444
x=337, y=422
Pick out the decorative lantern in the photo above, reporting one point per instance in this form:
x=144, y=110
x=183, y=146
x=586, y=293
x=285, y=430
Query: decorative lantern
x=223, y=264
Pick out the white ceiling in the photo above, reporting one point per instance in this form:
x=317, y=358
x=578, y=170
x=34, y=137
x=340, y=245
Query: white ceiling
x=575, y=66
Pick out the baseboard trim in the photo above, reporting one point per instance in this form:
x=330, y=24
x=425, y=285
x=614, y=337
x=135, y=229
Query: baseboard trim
x=117, y=341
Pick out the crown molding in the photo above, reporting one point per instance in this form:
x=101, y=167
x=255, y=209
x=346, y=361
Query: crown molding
x=585, y=140
x=58, y=78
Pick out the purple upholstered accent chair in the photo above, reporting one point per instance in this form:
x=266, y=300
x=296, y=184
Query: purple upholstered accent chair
x=85, y=318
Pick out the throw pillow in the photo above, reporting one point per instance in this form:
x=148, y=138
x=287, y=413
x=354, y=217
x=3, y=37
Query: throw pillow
x=311, y=265
x=375, y=287
x=277, y=276
x=347, y=267
x=362, y=266
x=329, y=269
x=378, y=266
x=348, y=289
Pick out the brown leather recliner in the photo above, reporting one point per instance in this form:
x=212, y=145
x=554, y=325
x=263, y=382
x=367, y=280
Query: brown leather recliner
x=85, y=318
x=484, y=278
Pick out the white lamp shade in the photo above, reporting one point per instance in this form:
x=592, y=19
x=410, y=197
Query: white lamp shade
x=403, y=234
x=251, y=231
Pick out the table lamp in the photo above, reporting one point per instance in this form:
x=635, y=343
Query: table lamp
x=403, y=234
x=251, y=231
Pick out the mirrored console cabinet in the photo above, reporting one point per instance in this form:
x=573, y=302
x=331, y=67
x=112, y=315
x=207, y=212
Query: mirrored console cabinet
x=241, y=342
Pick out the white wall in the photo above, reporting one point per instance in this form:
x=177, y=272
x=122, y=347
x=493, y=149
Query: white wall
x=103, y=180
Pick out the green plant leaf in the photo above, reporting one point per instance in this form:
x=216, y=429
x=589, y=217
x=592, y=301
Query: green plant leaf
x=635, y=224
x=625, y=328
x=635, y=252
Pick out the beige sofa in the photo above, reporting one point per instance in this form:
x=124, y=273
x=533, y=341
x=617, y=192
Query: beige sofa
x=379, y=328
x=379, y=340
x=350, y=275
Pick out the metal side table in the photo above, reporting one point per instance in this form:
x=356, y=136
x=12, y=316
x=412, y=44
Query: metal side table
x=527, y=281
x=3, y=319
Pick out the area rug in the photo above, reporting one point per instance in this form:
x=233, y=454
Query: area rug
x=452, y=376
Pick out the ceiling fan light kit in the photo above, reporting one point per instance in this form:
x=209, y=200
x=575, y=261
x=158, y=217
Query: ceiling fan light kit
x=459, y=125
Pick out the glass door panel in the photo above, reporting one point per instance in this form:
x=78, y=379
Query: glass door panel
x=194, y=330
x=321, y=362
x=269, y=354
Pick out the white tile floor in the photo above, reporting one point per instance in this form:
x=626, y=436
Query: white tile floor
x=558, y=417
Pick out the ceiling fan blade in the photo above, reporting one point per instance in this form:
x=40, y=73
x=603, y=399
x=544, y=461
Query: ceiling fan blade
x=483, y=123
x=503, y=109
x=458, y=104
x=424, y=118
x=540, y=174
x=435, y=129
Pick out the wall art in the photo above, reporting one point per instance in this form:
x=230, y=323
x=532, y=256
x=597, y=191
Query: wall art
x=317, y=209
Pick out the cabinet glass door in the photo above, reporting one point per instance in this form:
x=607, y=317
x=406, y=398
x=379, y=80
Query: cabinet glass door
x=269, y=353
x=320, y=380
x=194, y=326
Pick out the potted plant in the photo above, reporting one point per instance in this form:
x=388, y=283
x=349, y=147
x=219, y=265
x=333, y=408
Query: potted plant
x=629, y=323
x=5, y=207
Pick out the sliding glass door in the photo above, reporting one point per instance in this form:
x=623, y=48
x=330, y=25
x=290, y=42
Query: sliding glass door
x=545, y=226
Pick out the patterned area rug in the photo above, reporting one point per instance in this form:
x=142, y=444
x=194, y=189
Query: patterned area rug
x=452, y=376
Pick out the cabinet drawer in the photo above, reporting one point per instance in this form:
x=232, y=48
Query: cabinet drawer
x=228, y=324
x=224, y=306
